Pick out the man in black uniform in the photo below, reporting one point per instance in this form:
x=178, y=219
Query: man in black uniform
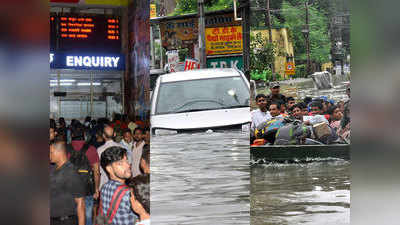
x=67, y=191
x=275, y=95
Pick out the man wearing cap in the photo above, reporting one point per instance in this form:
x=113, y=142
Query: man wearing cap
x=275, y=95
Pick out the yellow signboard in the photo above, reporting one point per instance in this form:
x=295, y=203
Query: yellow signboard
x=224, y=40
x=289, y=68
x=108, y=2
x=178, y=33
x=153, y=11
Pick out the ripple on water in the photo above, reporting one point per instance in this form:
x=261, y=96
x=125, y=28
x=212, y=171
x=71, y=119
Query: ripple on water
x=201, y=177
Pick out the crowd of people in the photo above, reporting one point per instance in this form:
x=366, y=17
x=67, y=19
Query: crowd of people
x=285, y=120
x=99, y=171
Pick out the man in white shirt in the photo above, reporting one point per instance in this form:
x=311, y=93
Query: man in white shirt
x=137, y=149
x=275, y=110
x=261, y=114
x=127, y=139
x=108, y=134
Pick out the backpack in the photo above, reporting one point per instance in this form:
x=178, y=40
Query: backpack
x=268, y=129
x=118, y=132
x=107, y=219
x=292, y=134
x=83, y=167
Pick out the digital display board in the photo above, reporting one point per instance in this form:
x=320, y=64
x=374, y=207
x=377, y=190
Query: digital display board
x=95, y=33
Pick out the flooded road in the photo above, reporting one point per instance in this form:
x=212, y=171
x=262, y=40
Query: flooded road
x=312, y=193
x=200, y=178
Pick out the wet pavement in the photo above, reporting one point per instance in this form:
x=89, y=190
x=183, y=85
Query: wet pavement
x=200, y=178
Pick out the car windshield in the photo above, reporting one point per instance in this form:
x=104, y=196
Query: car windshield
x=203, y=94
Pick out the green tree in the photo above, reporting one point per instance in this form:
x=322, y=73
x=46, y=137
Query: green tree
x=185, y=7
x=262, y=56
x=261, y=53
x=190, y=6
x=320, y=45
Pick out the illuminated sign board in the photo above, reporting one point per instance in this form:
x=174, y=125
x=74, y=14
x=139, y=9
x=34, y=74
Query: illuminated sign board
x=70, y=32
x=87, y=61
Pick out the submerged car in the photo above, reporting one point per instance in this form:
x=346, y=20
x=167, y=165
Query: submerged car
x=200, y=100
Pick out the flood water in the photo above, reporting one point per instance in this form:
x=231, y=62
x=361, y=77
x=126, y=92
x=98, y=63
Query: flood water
x=317, y=192
x=200, y=178
x=311, y=193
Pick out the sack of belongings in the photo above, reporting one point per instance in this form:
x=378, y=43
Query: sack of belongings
x=293, y=133
x=268, y=129
x=324, y=133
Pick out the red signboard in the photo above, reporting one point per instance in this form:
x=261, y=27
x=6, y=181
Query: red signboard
x=191, y=64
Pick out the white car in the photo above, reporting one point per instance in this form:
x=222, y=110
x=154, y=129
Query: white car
x=200, y=100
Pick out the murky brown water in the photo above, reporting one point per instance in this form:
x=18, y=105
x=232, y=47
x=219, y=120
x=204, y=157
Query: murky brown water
x=200, y=178
x=312, y=193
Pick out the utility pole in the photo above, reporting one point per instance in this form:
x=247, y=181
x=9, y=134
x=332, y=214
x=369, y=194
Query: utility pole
x=307, y=36
x=162, y=11
x=152, y=50
x=202, y=38
x=268, y=23
x=245, y=10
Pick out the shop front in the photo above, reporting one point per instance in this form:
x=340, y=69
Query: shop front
x=86, y=64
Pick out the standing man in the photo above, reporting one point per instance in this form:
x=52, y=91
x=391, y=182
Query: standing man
x=137, y=150
x=127, y=139
x=52, y=130
x=108, y=135
x=115, y=162
x=78, y=144
x=67, y=191
x=137, y=135
x=275, y=95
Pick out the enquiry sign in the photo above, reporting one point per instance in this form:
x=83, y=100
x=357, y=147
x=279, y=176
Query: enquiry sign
x=86, y=62
x=224, y=40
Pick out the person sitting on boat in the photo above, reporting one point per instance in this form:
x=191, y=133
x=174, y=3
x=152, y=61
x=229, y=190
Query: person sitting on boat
x=275, y=110
x=315, y=116
x=296, y=112
x=317, y=108
x=275, y=93
x=282, y=109
x=344, y=129
x=261, y=114
x=335, y=116
x=307, y=100
x=324, y=103
x=290, y=102
x=304, y=108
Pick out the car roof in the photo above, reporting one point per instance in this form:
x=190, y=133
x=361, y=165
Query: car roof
x=199, y=74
